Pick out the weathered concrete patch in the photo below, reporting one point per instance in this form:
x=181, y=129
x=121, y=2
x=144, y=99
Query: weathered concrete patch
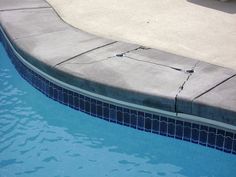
x=219, y=103
x=31, y=22
x=53, y=48
x=19, y=4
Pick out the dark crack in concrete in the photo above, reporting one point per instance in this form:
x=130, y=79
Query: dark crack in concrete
x=190, y=73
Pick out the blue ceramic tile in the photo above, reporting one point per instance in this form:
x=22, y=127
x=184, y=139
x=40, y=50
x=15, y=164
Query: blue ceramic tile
x=195, y=133
x=163, y=126
x=220, y=139
x=93, y=107
x=70, y=100
x=99, y=110
x=211, y=139
x=87, y=105
x=126, y=117
x=55, y=94
x=187, y=133
x=134, y=119
x=112, y=113
x=76, y=102
x=179, y=129
x=234, y=146
x=81, y=103
x=155, y=124
x=141, y=120
x=228, y=142
x=148, y=122
x=119, y=115
x=203, y=138
x=105, y=110
x=171, y=127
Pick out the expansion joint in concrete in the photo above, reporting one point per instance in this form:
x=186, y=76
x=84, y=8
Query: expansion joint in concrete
x=213, y=87
x=71, y=58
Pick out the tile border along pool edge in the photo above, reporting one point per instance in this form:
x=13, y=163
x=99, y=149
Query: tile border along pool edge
x=206, y=132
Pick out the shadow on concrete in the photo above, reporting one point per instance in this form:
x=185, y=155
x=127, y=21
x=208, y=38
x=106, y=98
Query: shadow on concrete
x=228, y=7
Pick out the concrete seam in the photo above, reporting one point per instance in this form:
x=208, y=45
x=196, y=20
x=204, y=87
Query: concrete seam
x=213, y=87
x=71, y=58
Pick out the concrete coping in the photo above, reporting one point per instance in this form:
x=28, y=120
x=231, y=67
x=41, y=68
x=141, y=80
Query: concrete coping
x=121, y=72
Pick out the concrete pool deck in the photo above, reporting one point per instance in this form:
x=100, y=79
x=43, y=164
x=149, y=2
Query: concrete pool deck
x=122, y=71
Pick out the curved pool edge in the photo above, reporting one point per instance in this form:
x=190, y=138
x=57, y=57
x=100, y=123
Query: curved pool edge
x=175, y=125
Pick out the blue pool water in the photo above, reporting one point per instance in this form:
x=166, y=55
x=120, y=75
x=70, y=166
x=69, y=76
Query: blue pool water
x=42, y=138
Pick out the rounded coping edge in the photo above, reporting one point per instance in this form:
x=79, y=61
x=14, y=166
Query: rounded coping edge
x=175, y=115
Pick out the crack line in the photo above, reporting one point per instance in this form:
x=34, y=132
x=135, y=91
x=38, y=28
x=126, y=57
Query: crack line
x=214, y=87
x=182, y=86
x=84, y=53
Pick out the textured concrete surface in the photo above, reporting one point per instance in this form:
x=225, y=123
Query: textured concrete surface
x=221, y=100
x=22, y=4
x=200, y=29
x=124, y=71
x=27, y=23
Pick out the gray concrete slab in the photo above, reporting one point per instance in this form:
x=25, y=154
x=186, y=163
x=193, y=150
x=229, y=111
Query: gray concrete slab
x=163, y=58
x=205, y=77
x=56, y=47
x=31, y=22
x=126, y=79
x=19, y=4
x=219, y=103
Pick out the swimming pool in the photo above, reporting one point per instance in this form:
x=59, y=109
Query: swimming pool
x=40, y=137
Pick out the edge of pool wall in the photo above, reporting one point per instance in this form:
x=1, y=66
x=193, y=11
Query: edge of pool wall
x=187, y=127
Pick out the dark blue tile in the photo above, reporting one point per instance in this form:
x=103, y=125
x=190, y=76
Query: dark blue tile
x=119, y=115
x=76, y=102
x=179, y=129
x=55, y=94
x=187, y=132
x=171, y=127
x=70, y=100
x=148, y=124
x=155, y=124
x=81, y=103
x=93, y=107
x=228, y=144
x=141, y=120
x=100, y=110
x=163, y=127
x=105, y=110
x=203, y=137
x=195, y=133
x=50, y=91
x=234, y=146
x=127, y=117
x=112, y=113
x=187, y=124
x=87, y=105
x=134, y=117
x=220, y=139
x=211, y=139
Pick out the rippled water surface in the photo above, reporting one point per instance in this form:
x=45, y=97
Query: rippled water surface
x=41, y=138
